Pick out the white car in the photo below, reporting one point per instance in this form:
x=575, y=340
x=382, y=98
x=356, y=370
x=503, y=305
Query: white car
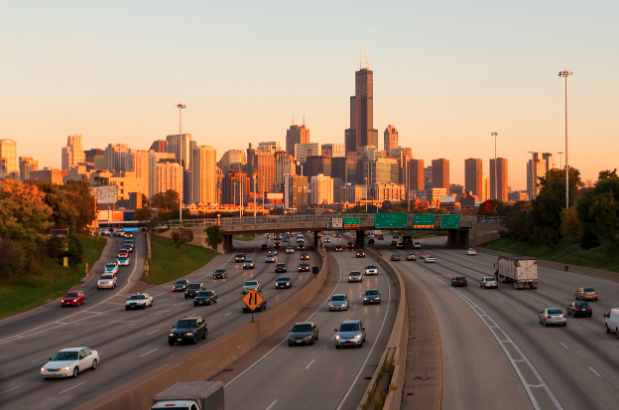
x=488, y=282
x=123, y=261
x=70, y=362
x=326, y=239
x=106, y=281
x=139, y=301
x=371, y=270
x=270, y=259
x=111, y=267
x=611, y=321
x=471, y=251
x=290, y=249
x=429, y=259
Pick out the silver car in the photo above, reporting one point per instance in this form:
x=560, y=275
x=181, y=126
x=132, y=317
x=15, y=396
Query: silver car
x=489, y=282
x=355, y=277
x=338, y=302
x=552, y=316
x=106, y=281
x=271, y=259
x=371, y=270
x=350, y=333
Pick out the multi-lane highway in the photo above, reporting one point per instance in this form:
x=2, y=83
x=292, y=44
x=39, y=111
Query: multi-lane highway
x=277, y=376
x=496, y=354
x=130, y=343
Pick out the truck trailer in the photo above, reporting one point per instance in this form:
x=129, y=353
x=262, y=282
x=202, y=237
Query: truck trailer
x=519, y=270
x=191, y=396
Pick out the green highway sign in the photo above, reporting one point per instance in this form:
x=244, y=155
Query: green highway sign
x=450, y=221
x=352, y=222
x=387, y=221
x=423, y=221
x=413, y=231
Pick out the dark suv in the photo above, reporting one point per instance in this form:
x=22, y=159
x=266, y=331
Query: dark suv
x=193, y=289
x=180, y=285
x=188, y=329
x=280, y=267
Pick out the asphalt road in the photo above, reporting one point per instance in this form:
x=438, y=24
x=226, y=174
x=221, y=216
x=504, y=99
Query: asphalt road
x=495, y=352
x=277, y=376
x=130, y=343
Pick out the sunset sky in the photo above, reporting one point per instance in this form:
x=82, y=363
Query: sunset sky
x=446, y=74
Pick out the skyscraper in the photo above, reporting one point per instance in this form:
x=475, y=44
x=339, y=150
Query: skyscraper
x=232, y=159
x=170, y=176
x=302, y=151
x=140, y=165
x=391, y=138
x=284, y=164
x=118, y=158
x=317, y=164
x=440, y=173
x=296, y=135
x=262, y=166
x=501, y=185
x=158, y=146
x=203, y=166
x=537, y=167
x=73, y=153
x=269, y=146
x=8, y=156
x=333, y=150
x=235, y=186
x=153, y=160
x=361, y=132
x=473, y=174
x=416, y=175
x=339, y=169
x=321, y=189
x=180, y=146
x=295, y=191
x=27, y=164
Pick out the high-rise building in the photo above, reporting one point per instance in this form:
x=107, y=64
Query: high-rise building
x=403, y=155
x=416, y=175
x=235, y=187
x=203, y=166
x=140, y=165
x=153, y=160
x=338, y=169
x=296, y=134
x=427, y=179
x=232, y=159
x=296, y=191
x=440, y=173
x=188, y=192
x=333, y=150
x=549, y=161
x=169, y=176
x=284, y=164
x=95, y=155
x=351, y=167
x=158, y=146
x=118, y=158
x=473, y=173
x=351, y=193
x=180, y=146
x=260, y=165
x=485, y=189
x=73, y=153
x=501, y=185
x=26, y=165
x=537, y=167
x=391, y=138
x=302, y=151
x=317, y=164
x=387, y=192
x=361, y=132
x=321, y=189
x=8, y=156
x=269, y=146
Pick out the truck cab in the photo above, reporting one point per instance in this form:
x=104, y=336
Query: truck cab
x=177, y=405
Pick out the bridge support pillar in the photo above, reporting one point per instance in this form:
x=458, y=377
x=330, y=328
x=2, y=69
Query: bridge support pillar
x=458, y=239
x=316, y=240
x=360, y=239
x=226, y=245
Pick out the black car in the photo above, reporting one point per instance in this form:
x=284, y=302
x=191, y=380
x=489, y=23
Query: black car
x=304, y=267
x=276, y=245
x=338, y=248
x=303, y=333
x=180, y=285
x=360, y=253
x=239, y=257
x=371, y=241
x=371, y=296
x=283, y=283
x=394, y=243
x=305, y=256
x=220, y=274
x=264, y=246
x=579, y=309
x=337, y=235
x=188, y=329
x=349, y=245
x=205, y=297
x=300, y=246
x=263, y=306
x=193, y=289
x=281, y=267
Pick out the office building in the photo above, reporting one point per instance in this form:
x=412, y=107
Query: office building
x=537, y=167
x=284, y=164
x=440, y=173
x=337, y=184
x=321, y=189
x=232, y=159
x=339, y=169
x=261, y=166
x=428, y=177
x=403, y=155
x=473, y=174
x=169, y=176
x=180, y=146
x=416, y=175
x=49, y=175
x=302, y=151
x=153, y=159
x=269, y=146
x=235, y=188
x=158, y=146
x=517, y=196
x=96, y=157
x=26, y=165
x=485, y=189
x=351, y=167
x=333, y=150
x=352, y=193
x=361, y=132
x=118, y=158
x=387, y=192
x=296, y=135
x=296, y=191
x=456, y=189
x=317, y=164
x=140, y=166
x=431, y=195
x=502, y=181
x=73, y=153
x=204, y=165
x=126, y=182
x=391, y=138
x=8, y=156
x=188, y=191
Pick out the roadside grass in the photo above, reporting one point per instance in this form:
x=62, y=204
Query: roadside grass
x=428, y=234
x=51, y=281
x=247, y=237
x=605, y=256
x=169, y=262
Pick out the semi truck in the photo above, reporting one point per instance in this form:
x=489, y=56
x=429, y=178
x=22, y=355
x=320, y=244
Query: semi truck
x=191, y=396
x=519, y=270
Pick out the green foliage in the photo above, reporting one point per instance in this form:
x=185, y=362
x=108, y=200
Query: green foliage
x=182, y=235
x=570, y=225
x=75, y=251
x=598, y=210
x=214, y=236
x=54, y=247
x=143, y=214
x=73, y=204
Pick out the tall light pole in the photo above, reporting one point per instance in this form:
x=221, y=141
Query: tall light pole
x=496, y=192
x=180, y=152
x=408, y=195
x=560, y=153
x=255, y=199
x=566, y=74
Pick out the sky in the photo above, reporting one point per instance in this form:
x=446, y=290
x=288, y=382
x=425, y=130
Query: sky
x=446, y=74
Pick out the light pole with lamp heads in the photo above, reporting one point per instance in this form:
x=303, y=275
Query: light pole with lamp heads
x=566, y=74
x=180, y=152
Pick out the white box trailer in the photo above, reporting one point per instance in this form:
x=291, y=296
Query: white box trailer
x=191, y=396
x=519, y=270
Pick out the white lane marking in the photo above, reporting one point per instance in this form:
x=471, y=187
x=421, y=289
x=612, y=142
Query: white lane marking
x=61, y=323
x=271, y=405
x=354, y=307
x=332, y=337
x=607, y=341
x=227, y=313
x=562, y=344
x=113, y=333
x=44, y=357
x=310, y=363
x=593, y=370
x=153, y=332
x=71, y=388
x=11, y=389
x=518, y=310
x=147, y=353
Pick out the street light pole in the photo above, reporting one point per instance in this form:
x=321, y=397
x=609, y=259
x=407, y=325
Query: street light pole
x=180, y=152
x=496, y=192
x=566, y=74
x=255, y=199
x=407, y=190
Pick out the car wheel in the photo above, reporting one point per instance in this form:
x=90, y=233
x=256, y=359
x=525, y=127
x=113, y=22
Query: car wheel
x=126, y=308
x=204, y=334
x=617, y=330
x=94, y=364
x=596, y=299
x=564, y=324
x=337, y=346
x=171, y=342
x=195, y=340
x=152, y=303
x=185, y=296
x=76, y=372
x=546, y=324
x=289, y=344
x=361, y=345
x=607, y=329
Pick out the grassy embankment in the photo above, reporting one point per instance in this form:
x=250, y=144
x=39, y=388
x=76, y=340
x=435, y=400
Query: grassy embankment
x=169, y=262
x=428, y=234
x=247, y=237
x=51, y=281
x=605, y=256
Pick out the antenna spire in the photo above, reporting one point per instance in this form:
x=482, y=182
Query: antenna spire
x=303, y=119
x=367, y=55
x=360, y=59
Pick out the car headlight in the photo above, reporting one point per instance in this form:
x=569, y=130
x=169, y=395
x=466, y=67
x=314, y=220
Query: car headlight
x=378, y=298
x=365, y=298
x=66, y=368
x=43, y=369
x=308, y=337
x=337, y=337
x=331, y=305
x=190, y=334
x=170, y=334
x=358, y=336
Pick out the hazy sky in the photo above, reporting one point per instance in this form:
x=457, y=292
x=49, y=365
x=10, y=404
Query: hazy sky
x=446, y=74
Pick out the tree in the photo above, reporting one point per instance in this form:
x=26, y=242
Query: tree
x=570, y=225
x=165, y=201
x=143, y=214
x=73, y=204
x=214, y=236
x=75, y=252
x=598, y=210
x=182, y=235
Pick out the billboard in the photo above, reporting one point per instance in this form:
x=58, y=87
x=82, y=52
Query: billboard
x=352, y=222
x=107, y=194
x=337, y=223
x=388, y=221
x=423, y=221
x=450, y=221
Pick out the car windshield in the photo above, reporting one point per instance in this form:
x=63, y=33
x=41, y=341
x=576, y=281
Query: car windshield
x=107, y=277
x=371, y=292
x=111, y=265
x=62, y=356
x=248, y=261
x=71, y=295
x=305, y=327
x=350, y=327
x=355, y=273
x=280, y=265
x=194, y=286
x=338, y=298
x=283, y=279
x=460, y=278
x=182, y=282
x=589, y=290
x=220, y=270
x=205, y=293
x=554, y=311
x=138, y=297
x=240, y=254
x=371, y=267
x=186, y=323
x=251, y=283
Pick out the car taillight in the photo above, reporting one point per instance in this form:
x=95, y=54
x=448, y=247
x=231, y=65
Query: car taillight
x=589, y=309
x=596, y=293
x=577, y=310
x=548, y=317
x=563, y=316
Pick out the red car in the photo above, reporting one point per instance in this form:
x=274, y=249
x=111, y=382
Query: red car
x=122, y=253
x=458, y=281
x=73, y=299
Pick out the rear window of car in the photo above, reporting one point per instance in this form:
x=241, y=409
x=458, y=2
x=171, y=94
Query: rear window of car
x=194, y=286
x=355, y=273
x=554, y=311
x=460, y=278
x=582, y=304
x=490, y=279
x=589, y=290
x=302, y=328
x=251, y=283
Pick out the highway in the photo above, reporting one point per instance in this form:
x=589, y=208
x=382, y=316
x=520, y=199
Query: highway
x=130, y=343
x=277, y=376
x=496, y=354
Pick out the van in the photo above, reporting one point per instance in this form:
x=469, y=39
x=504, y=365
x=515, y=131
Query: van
x=612, y=321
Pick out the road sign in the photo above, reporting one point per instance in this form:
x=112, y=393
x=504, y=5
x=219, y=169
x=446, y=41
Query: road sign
x=253, y=299
x=352, y=222
x=413, y=231
x=423, y=221
x=337, y=223
x=450, y=221
x=390, y=220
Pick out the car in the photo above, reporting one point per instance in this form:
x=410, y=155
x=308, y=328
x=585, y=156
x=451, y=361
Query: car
x=396, y=236
x=285, y=239
x=459, y=281
x=399, y=245
x=264, y=246
x=220, y=274
x=281, y=267
x=139, y=300
x=360, y=253
x=283, y=283
x=300, y=246
x=586, y=294
x=188, y=329
x=304, y=267
x=118, y=232
x=417, y=245
x=488, y=282
x=411, y=257
x=193, y=288
x=371, y=241
x=303, y=333
x=111, y=267
x=579, y=309
x=123, y=253
x=290, y=249
x=300, y=239
x=371, y=296
x=304, y=256
x=128, y=235
x=104, y=232
x=380, y=237
x=260, y=308
x=205, y=297
x=396, y=257
x=611, y=321
x=252, y=284
x=350, y=333
x=338, y=248
x=349, y=245
x=123, y=261
x=70, y=362
x=326, y=239
x=355, y=276
x=424, y=255
x=394, y=243
x=338, y=302
x=277, y=245
x=106, y=281
x=128, y=247
x=129, y=241
x=73, y=299
x=273, y=251
x=266, y=235
x=337, y=235
x=429, y=259
x=249, y=264
x=371, y=270
x=471, y=251
x=270, y=258
x=552, y=316
x=180, y=285
x=239, y=257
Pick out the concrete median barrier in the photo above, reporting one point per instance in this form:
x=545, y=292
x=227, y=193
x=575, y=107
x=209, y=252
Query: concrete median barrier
x=207, y=361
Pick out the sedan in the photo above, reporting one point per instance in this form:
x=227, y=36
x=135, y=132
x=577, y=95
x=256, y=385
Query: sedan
x=111, y=267
x=304, y=267
x=326, y=239
x=264, y=246
x=73, y=299
x=123, y=261
x=123, y=253
x=350, y=333
x=579, y=309
x=371, y=270
x=303, y=333
x=283, y=283
x=300, y=246
x=411, y=257
x=395, y=257
x=586, y=294
x=338, y=248
x=180, y=285
x=471, y=251
x=371, y=296
x=489, y=282
x=290, y=249
x=277, y=245
x=429, y=259
x=270, y=258
x=139, y=300
x=424, y=255
x=360, y=253
x=304, y=256
x=70, y=362
x=349, y=245
x=281, y=267
x=239, y=257
x=252, y=284
x=193, y=289
x=220, y=274
x=338, y=302
x=188, y=329
x=205, y=297
x=272, y=251
x=248, y=264
x=459, y=281
x=552, y=316
x=337, y=235
x=355, y=277
x=106, y=281
x=263, y=306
